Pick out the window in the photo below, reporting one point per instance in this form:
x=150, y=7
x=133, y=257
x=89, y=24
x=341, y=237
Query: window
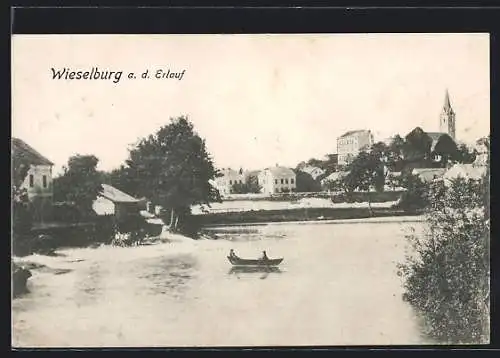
x=32, y=180
x=286, y=181
x=281, y=181
x=291, y=181
x=275, y=181
x=230, y=182
x=44, y=180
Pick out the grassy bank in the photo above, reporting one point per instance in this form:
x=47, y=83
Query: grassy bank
x=299, y=214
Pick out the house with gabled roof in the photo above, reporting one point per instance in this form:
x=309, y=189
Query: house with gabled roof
x=38, y=180
x=111, y=201
x=277, y=179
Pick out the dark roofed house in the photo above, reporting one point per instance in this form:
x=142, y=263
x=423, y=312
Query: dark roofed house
x=38, y=180
x=111, y=201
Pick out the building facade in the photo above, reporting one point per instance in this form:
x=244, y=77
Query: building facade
x=350, y=144
x=229, y=177
x=277, y=180
x=38, y=180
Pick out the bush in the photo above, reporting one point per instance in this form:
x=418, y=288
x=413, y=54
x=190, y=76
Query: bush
x=415, y=197
x=446, y=276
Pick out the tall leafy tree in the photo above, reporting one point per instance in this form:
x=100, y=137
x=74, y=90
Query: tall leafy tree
x=396, y=153
x=173, y=168
x=417, y=147
x=80, y=183
x=446, y=149
x=366, y=171
x=306, y=183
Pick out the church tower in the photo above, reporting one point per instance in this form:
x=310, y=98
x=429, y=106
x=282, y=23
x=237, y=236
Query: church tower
x=447, y=118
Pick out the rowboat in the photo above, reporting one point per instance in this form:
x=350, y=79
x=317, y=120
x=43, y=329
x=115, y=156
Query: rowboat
x=236, y=261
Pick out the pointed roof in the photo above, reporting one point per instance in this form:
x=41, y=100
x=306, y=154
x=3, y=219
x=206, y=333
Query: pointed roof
x=447, y=103
x=21, y=150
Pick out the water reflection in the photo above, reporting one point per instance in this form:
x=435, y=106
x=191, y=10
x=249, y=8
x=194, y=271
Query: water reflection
x=265, y=270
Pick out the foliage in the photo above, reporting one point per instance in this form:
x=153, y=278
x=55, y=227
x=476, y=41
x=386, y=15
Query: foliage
x=306, y=183
x=251, y=185
x=172, y=168
x=417, y=146
x=465, y=155
x=395, y=153
x=79, y=184
x=446, y=149
x=416, y=195
x=22, y=216
x=446, y=275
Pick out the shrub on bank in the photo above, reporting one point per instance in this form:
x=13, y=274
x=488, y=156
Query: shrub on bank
x=446, y=276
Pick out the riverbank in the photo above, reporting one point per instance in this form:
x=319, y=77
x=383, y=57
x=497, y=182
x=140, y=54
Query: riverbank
x=297, y=215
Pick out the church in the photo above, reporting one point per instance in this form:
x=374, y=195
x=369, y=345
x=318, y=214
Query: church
x=446, y=124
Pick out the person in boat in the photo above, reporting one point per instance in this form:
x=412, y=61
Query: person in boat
x=264, y=256
x=232, y=254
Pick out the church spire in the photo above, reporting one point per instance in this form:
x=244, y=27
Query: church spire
x=447, y=118
x=447, y=104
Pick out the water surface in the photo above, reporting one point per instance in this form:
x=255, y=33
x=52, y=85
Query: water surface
x=336, y=286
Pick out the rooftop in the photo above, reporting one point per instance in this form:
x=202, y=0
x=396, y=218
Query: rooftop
x=116, y=196
x=22, y=151
x=349, y=133
x=280, y=171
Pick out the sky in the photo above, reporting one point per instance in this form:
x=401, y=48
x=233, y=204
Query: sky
x=257, y=100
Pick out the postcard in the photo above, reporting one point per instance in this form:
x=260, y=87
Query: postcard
x=250, y=190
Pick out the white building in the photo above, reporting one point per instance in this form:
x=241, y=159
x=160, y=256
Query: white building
x=224, y=183
x=277, y=180
x=350, y=143
x=38, y=180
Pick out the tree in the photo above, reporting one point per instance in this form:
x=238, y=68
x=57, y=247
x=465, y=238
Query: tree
x=173, y=169
x=250, y=186
x=80, y=183
x=415, y=196
x=365, y=172
x=395, y=151
x=306, y=183
x=22, y=218
x=417, y=147
x=313, y=162
x=446, y=149
x=446, y=274
x=465, y=155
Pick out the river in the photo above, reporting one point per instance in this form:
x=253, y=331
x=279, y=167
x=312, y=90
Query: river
x=336, y=286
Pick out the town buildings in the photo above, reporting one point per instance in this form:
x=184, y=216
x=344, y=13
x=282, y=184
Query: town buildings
x=351, y=143
x=313, y=171
x=277, y=179
x=38, y=181
x=229, y=177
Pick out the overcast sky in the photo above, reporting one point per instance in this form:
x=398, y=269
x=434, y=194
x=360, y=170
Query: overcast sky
x=258, y=100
